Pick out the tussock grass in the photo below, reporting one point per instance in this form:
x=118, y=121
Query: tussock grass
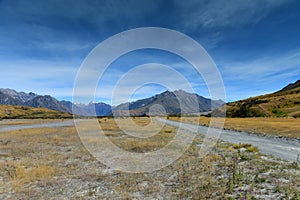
x=24, y=112
x=21, y=176
x=53, y=164
x=27, y=121
x=248, y=147
x=280, y=104
x=288, y=127
x=130, y=143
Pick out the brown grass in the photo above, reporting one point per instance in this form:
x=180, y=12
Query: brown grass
x=247, y=147
x=281, y=104
x=288, y=127
x=21, y=176
x=26, y=121
x=24, y=112
x=129, y=143
x=52, y=164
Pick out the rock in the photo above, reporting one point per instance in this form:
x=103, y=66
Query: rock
x=5, y=142
x=169, y=184
x=247, y=188
x=173, y=178
x=242, y=150
x=144, y=184
x=298, y=159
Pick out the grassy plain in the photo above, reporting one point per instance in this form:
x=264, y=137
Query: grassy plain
x=288, y=127
x=51, y=163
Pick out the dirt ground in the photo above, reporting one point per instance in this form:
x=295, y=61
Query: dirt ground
x=52, y=163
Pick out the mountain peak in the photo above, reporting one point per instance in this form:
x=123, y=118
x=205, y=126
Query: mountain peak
x=291, y=86
x=18, y=96
x=174, y=103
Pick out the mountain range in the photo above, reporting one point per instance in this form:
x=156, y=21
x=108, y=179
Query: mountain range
x=12, y=97
x=283, y=103
x=171, y=103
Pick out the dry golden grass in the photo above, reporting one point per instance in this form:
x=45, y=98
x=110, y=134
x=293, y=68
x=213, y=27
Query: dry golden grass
x=21, y=176
x=288, y=127
x=24, y=112
x=5, y=122
x=129, y=143
x=50, y=163
x=248, y=147
x=28, y=161
x=281, y=104
x=141, y=121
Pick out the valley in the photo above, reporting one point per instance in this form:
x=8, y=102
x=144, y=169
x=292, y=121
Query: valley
x=42, y=155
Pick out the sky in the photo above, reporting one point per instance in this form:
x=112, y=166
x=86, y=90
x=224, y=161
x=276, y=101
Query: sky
x=255, y=44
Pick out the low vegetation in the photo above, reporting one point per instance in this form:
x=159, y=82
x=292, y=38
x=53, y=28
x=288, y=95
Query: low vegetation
x=51, y=163
x=24, y=112
x=279, y=104
x=287, y=127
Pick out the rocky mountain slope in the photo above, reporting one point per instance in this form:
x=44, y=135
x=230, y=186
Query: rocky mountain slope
x=18, y=97
x=12, y=97
x=171, y=103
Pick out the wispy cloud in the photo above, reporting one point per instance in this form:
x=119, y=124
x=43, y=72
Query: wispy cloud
x=41, y=77
x=262, y=75
x=265, y=68
x=232, y=13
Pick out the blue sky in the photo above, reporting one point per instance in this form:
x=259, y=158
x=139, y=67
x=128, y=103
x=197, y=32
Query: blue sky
x=254, y=43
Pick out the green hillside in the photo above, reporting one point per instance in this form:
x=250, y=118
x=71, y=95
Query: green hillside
x=284, y=103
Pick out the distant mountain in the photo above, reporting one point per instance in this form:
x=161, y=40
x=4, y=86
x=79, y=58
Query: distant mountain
x=19, y=96
x=283, y=103
x=12, y=97
x=101, y=109
x=8, y=100
x=171, y=103
x=47, y=102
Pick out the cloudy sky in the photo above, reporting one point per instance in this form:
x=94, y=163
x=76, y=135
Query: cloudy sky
x=254, y=43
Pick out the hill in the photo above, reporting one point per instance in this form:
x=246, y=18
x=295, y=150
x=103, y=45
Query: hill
x=291, y=86
x=170, y=103
x=283, y=103
x=24, y=112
